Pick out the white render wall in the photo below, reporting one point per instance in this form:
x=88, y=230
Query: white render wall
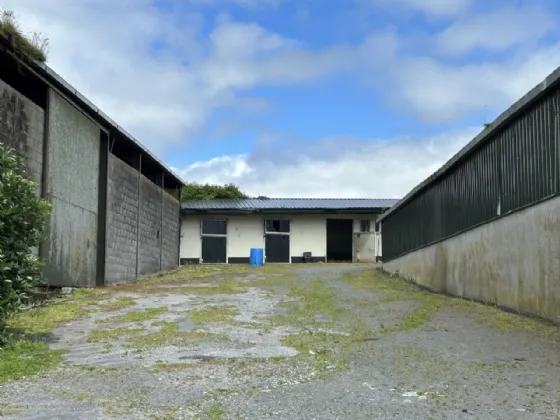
x=308, y=233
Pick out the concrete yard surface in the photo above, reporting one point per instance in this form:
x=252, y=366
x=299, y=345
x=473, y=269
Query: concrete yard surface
x=302, y=341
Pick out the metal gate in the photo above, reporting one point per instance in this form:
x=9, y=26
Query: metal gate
x=277, y=241
x=213, y=235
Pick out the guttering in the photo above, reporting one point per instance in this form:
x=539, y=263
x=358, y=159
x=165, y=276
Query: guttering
x=283, y=211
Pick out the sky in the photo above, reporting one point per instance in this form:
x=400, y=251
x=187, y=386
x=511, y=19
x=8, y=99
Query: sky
x=300, y=98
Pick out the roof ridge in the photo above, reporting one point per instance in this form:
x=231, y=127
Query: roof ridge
x=290, y=199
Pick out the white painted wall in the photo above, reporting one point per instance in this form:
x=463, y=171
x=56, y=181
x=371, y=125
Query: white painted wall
x=191, y=246
x=308, y=233
x=244, y=233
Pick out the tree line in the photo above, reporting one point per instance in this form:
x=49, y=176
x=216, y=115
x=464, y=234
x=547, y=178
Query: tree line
x=196, y=191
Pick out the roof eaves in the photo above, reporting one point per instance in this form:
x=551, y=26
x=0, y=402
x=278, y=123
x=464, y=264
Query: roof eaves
x=57, y=79
x=505, y=117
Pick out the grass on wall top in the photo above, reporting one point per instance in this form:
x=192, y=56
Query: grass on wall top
x=32, y=47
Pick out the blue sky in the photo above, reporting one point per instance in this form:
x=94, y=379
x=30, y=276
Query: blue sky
x=307, y=98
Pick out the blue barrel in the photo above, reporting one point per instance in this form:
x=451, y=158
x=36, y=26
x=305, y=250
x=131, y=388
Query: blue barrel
x=256, y=257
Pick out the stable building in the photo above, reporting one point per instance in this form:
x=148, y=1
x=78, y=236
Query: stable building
x=288, y=230
x=115, y=206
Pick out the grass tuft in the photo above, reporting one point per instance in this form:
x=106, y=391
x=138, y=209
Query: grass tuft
x=22, y=359
x=138, y=316
x=212, y=314
x=169, y=334
x=29, y=47
x=170, y=367
x=41, y=320
x=112, y=334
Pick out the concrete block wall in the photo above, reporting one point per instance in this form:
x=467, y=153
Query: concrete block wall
x=150, y=227
x=512, y=262
x=171, y=231
x=22, y=125
x=71, y=170
x=142, y=225
x=122, y=222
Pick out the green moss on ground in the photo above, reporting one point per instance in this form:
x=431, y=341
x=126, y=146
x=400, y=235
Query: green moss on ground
x=44, y=319
x=23, y=359
x=170, y=367
x=116, y=304
x=138, y=316
x=96, y=336
x=169, y=334
x=212, y=314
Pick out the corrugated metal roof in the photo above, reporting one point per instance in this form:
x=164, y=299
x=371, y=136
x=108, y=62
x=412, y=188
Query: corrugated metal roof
x=255, y=204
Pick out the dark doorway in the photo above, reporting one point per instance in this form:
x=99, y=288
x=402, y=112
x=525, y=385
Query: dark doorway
x=214, y=241
x=277, y=248
x=339, y=240
x=214, y=250
x=277, y=241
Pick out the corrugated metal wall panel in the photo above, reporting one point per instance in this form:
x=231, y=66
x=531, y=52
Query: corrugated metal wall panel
x=517, y=167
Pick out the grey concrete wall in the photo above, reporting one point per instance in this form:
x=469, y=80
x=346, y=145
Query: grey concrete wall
x=22, y=128
x=365, y=246
x=72, y=189
x=150, y=227
x=513, y=262
x=171, y=232
x=122, y=222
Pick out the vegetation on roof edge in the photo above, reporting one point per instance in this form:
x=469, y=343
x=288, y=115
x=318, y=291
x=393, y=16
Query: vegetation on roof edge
x=32, y=47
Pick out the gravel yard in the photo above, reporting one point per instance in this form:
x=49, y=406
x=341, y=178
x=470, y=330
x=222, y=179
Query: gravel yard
x=286, y=342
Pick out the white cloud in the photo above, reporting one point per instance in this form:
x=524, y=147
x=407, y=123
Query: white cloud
x=497, y=30
x=251, y=4
x=439, y=92
x=432, y=8
x=337, y=167
x=105, y=49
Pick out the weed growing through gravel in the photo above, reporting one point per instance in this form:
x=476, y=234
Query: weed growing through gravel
x=10, y=410
x=216, y=412
x=138, y=316
x=25, y=358
x=394, y=288
x=112, y=334
x=327, y=351
x=212, y=314
x=39, y=321
x=116, y=304
x=170, y=367
x=169, y=334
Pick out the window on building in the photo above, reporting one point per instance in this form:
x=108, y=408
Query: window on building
x=277, y=226
x=365, y=226
x=214, y=227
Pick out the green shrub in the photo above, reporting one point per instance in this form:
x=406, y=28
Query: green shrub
x=22, y=218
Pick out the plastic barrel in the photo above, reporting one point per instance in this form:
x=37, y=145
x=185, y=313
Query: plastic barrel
x=256, y=257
